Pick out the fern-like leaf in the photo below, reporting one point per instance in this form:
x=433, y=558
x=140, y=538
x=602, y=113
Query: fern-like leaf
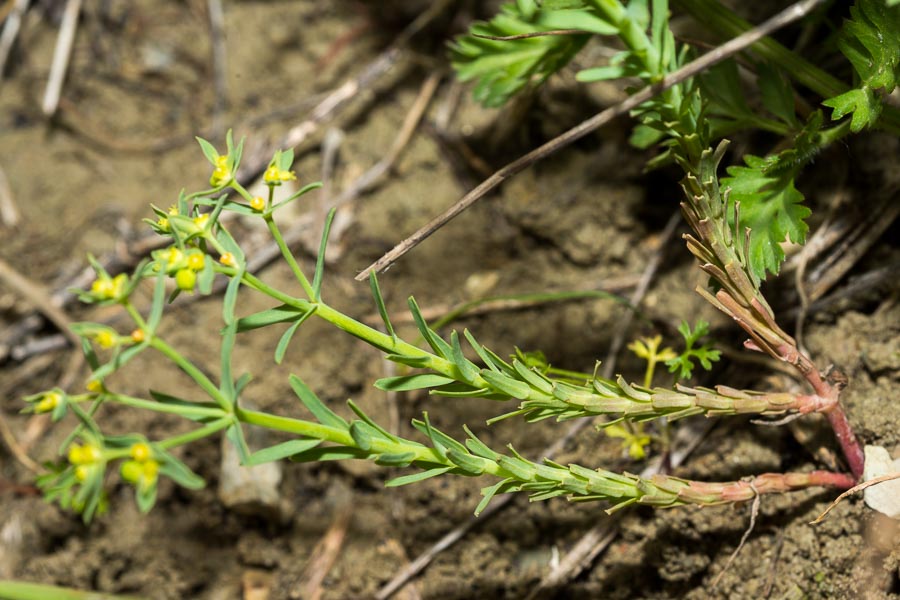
x=870, y=40
x=503, y=68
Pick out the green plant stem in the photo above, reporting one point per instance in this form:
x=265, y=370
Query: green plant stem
x=21, y=590
x=188, y=411
x=197, y=434
x=188, y=367
x=289, y=256
x=318, y=431
x=361, y=331
x=728, y=25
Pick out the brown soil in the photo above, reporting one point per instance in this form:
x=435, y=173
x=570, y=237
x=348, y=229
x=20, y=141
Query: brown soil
x=140, y=76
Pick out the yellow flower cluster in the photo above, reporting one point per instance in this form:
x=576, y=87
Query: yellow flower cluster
x=222, y=174
x=275, y=176
x=85, y=459
x=142, y=470
x=109, y=288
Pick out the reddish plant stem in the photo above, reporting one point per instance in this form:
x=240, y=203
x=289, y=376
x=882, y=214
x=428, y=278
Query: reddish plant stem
x=853, y=452
x=769, y=338
x=697, y=492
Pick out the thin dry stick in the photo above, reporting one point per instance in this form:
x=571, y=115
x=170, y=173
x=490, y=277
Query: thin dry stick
x=773, y=564
x=61, y=55
x=371, y=177
x=218, y=54
x=853, y=490
x=9, y=213
x=691, y=69
x=35, y=294
x=17, y=450
x=323, y=557
x=754, y=512
x=11, y=30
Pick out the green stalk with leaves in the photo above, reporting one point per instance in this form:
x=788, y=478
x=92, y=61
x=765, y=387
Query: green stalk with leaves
x=737, y=222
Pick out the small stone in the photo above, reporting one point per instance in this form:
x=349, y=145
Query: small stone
x=250, y=490
x=883, y=497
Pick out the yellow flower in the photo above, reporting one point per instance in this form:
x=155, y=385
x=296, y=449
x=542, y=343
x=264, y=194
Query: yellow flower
x=275, y=176
x=131, y=471
x=106, y=339
x=163, y=224
x=257, y=203
x=82, y=472
x=186, y=279
x=221, y=175
x=137, y=336
x=94, y=385
x=141, y=452
x=46, y=404
x=228, y=260
x=195, y=261
x=201, y=220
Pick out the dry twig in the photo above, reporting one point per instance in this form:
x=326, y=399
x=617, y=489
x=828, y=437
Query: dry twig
x=11, y=30
x=9, y=213
x=323, y=556
x=61, y=55
x=856, y=488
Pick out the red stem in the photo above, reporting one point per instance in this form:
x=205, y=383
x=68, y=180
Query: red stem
x=849, y=444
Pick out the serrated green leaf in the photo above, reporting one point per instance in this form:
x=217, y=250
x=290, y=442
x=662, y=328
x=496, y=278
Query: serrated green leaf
x=771, y=207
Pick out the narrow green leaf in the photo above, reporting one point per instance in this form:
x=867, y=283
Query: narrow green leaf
x=368, y=420
x=320, y=259
x=472, y=465
x=379, y=302
x=286, y=337
x=158, y=302
x=208, y=150
x=468, y=370
x=398, y=459
x=417, y=477
x=325, y=415
x=236, y=436
x=279, y=314
x=440, y=347
x=489, y=493
x=478, y=447
x=506, y=384
x=323, y=453
x=363, y=434
x=480, y=351
x=226, y=385
x=406, y=383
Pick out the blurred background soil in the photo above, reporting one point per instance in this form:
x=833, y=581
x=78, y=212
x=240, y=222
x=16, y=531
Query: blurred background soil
x=141, y=84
